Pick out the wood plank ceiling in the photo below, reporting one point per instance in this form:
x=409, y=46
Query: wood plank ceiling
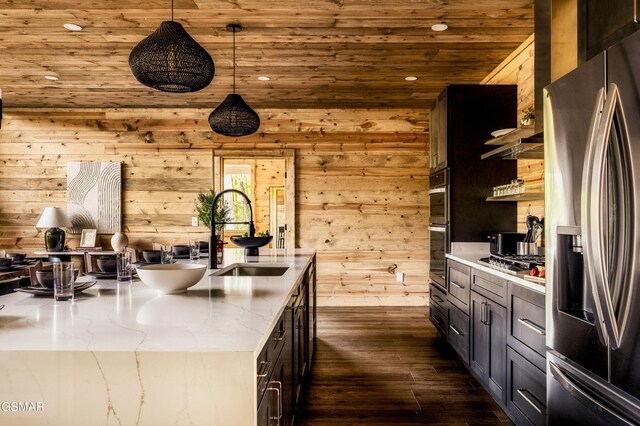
x=318, y=53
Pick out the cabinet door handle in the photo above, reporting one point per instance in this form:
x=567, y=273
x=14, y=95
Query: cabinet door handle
x=455, y=284
x=279, y=336
x=482, y=320
x=265, y=367
x=531, y=325
x=436, y=320
x=455, y=330
x=529, y=397
x=438, y=298
x=487, y=315
x=278, y=391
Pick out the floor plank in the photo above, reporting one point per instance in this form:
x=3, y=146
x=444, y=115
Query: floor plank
x=389, y=366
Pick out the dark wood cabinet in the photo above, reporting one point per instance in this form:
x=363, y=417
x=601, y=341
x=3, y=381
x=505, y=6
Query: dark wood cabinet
x=526, y=390
x=438, y=309
x=438, y=134
x=458, y=332
x=487, y=347
x=601, y=24
x=462, y=119
x=489, y=286
x=459, y=284
x=526, y=330
x=284, y=363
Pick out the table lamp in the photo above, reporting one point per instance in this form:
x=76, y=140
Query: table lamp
x=54, y=218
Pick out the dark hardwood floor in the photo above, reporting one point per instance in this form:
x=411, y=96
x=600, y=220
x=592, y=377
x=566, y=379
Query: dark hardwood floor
x=387, y=366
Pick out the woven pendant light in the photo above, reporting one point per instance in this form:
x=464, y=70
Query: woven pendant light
x=233, y=117
x=171, y=61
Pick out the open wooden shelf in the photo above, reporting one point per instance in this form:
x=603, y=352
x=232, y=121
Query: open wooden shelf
x=519, y=133
x=527, y=196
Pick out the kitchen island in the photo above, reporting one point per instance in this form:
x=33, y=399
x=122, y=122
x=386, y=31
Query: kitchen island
x=122, y=354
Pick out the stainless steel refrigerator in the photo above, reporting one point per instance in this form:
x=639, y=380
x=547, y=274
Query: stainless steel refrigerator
x=592, y=187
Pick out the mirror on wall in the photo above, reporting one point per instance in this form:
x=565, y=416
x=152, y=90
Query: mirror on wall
x=267, y=178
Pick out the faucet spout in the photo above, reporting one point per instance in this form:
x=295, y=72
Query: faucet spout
x=213, y=240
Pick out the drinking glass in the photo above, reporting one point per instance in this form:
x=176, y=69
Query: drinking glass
x=166, y=254
x=123, y=265
x=194, y=250
x=63, y=280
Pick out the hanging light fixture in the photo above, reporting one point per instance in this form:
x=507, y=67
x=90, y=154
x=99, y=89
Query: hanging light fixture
x=233, y=117
x=171, y=61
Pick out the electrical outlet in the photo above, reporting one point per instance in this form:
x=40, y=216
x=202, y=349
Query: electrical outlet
x=400, y=277
x=194, y=221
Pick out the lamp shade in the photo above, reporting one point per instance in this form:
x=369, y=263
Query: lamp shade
x=233, y=117
x=171, y=61
x=54, y=217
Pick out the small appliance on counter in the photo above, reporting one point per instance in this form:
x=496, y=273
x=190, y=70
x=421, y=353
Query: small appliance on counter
x=505, y=242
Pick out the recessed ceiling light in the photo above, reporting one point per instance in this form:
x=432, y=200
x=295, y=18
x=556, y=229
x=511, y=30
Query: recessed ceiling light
x=439, y=27
x=411, y=78
x=264, y=78
x=51, y=77
x=73, y=27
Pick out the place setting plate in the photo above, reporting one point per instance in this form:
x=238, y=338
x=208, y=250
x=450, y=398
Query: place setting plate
x=44, y=291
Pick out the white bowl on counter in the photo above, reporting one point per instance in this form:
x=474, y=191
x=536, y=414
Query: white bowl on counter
x=171, y=278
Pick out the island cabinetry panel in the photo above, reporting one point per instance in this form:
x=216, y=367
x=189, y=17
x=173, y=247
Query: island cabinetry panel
x=488, y=340
x=459, y=284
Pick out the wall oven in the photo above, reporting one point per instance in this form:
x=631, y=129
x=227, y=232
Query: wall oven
x=438, y=226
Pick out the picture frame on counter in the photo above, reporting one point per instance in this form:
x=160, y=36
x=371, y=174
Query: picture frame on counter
x=88, y=238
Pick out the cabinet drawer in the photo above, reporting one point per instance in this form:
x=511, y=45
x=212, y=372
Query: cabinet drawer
x=437, y=297
x=438, y=317
x=526, y=329
x=459, y=284
x=269, y=355
x=489, y=286
x=526, y=390
x=458, y=332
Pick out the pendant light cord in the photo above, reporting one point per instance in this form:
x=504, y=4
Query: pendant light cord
x=172, y=10
x=234, y=61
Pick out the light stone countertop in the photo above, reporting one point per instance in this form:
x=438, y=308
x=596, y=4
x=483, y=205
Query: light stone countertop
x=469, y=254
x=219, y=314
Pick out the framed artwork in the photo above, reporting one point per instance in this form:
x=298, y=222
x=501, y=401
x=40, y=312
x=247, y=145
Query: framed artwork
x=88, y=238
x=94, y=193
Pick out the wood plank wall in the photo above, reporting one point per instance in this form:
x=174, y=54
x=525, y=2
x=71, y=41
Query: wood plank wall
x=518, y=69
x=361, y=184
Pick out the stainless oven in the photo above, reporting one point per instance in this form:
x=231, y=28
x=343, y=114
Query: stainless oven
x=438, y=245
x=438, y=226
x=439, y=198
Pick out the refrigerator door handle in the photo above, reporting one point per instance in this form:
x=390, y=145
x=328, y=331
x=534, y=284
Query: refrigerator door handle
x=581, y=395
x=590, y=195
x=598, y=227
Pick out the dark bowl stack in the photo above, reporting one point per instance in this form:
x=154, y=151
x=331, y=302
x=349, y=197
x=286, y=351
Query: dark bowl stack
x=152, y=256
x=106, y=264
x=181, y=251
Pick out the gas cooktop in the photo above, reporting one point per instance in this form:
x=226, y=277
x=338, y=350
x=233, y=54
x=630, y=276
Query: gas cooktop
x=514, y=264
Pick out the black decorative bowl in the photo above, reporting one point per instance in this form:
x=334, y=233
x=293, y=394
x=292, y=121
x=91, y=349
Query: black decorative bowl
x=45, y=278
x=106, y=263
x=152, y=256
x=6, y=262
x=251, y=242
x=181, y=251
x=17, y=257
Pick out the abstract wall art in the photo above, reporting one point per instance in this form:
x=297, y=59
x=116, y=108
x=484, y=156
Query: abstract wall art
x=94, y=196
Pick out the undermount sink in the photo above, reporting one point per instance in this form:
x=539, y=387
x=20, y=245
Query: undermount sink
x=248, y=270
